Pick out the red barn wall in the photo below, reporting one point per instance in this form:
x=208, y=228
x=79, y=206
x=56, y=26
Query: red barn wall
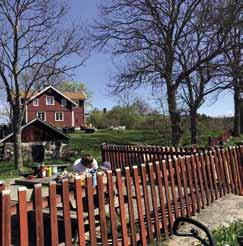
x=39, y=133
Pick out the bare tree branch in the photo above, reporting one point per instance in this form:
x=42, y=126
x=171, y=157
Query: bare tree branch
x=36, y=42
x=147, y=36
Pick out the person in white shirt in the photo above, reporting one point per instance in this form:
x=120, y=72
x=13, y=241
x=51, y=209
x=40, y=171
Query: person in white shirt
x=86, y=164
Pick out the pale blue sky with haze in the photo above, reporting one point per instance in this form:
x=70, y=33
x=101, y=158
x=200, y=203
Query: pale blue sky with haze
x=96, y=71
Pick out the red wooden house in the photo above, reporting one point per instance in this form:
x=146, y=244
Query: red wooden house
x=60, y=109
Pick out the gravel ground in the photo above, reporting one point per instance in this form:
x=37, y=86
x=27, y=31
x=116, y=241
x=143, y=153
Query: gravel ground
x=222, y=212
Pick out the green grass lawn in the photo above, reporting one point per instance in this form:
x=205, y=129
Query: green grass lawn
x=90, y=142
x=8, y=170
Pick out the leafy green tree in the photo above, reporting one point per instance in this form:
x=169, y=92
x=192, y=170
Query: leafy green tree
x=72, y=86
x=133, y=117
x=98, y=119
x=75, y=86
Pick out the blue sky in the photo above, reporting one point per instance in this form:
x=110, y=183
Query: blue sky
x=95, y=74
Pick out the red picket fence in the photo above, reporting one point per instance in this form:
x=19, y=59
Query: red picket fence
x=137, y=205
x=121, y=156
x=221, y=139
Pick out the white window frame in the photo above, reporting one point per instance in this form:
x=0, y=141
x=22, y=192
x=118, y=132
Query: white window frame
x=41, y=113
x=63, y=102
x=56, y=116
x=36, y=102
x=53, y=100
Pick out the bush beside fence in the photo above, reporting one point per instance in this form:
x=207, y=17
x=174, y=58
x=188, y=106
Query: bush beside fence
x=130, y=205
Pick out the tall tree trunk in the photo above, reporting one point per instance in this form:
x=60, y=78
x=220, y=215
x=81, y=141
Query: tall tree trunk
x=237, y=117
x=16, y=125
x=175, y=118
x=194, y=126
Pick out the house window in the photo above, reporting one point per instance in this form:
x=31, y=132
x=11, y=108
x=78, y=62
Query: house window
x=36, y=102
x=81, y=103
x=41, y=115
x=50, y=100
x=59, y=116
x=64, y=102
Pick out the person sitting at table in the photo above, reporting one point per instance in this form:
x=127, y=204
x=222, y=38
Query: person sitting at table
x=86, y=164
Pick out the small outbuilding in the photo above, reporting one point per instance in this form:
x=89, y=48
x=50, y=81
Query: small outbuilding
x=37, y=137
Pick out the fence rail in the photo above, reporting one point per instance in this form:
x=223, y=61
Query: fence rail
x=139, y=204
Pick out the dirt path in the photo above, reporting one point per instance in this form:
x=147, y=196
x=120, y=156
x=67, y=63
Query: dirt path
x=221, y=212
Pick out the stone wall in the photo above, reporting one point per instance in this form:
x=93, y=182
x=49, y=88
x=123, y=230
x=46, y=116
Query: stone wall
x=53, y=150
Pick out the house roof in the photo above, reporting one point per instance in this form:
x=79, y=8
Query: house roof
x=57, y=91
x=39, y=123
x=79, y=95
x=72, y=97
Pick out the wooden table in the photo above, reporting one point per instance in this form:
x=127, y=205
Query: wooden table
x=30, y=183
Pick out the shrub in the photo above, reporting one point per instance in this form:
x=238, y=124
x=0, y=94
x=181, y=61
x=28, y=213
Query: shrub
x=227, y=234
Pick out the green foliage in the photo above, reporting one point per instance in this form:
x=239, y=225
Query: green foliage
x=214, y=125
x=131, y=117
x=228, y=234
x=71, y=86
x=97, y=118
